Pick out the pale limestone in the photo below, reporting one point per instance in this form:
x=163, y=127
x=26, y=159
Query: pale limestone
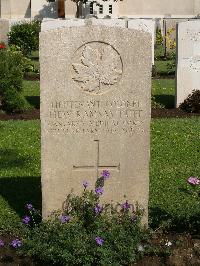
x=188, y=62
x=43, y=9
x=4, y=29
x=102, y=123
x=49, y=24
x=15, y=9
x=147, y=25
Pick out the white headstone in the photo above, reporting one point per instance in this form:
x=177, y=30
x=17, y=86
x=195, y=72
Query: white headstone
x=44, y=9
x=4, y=29
x=95, y=112
x=188, y=62
x=146, y=25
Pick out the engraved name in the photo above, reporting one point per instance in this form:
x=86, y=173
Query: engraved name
x=94, y=117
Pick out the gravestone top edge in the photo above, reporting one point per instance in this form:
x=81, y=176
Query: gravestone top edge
x=103, y=26
x=189, y=22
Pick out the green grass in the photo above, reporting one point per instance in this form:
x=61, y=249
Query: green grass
x=164, y=65
x=175, y=154
x=164, y=92
x=163, y=69
x=32, y=92
x=19, y=169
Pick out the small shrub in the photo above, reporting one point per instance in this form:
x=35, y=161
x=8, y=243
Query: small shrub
x=159, y=37
x=12, y=68
x=26, y=36
x=154, y=104
x=171, y=67
x=192, y=102
x=86, y=232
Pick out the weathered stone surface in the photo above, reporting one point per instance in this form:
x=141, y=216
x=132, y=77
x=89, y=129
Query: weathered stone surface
x=95, y=112
x=49, y=24
x=188, y=62
x=147, y=25
x=4, y=29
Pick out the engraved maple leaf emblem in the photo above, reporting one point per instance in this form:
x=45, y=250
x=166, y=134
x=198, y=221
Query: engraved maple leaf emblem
x=97, y=67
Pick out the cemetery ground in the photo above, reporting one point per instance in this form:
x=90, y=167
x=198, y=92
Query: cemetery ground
x=174, y=210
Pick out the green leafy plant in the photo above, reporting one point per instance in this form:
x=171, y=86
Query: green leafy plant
x=12, y=68
x=192, y=103
x=26, y=36
x=159, y=38
x=155, y=104
x=86, y=232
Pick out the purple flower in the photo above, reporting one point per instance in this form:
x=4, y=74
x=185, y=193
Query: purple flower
x=126, y=206
x=1, y=243
x=29, y=206
x=134, y=218
x=192, y=180
x=105, y=174
x=99, y=241
x=99, y=190
x=64, y=219
x=98, y=209
x=85, y=184
x=16, y=243
x=26, y=219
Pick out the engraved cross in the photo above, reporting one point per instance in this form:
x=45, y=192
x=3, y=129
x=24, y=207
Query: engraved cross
x=96, y=167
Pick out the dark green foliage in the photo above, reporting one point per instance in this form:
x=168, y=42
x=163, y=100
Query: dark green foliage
x=74, y=242
x=155, y=104
x=12, y=68
x=159, y=38
x=192, y=103
x=13, y=101
x=26, y=36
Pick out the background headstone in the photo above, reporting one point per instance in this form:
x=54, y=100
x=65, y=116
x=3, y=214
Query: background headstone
x=4, y=29
x=146, y=25
x=43, y=9
x=188, y=62
x=95, y=112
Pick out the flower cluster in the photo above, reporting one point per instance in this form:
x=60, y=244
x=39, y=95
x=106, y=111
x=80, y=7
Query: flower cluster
x=99, y=241
x=193, y=180
x=26, y=219
x=65, y=218
x=15, y=243
x=126, y=206
x=98, y=209
x=2, y=46
x=99, y=191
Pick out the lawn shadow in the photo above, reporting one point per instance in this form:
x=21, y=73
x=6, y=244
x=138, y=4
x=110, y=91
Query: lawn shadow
x=167, y=100
x=18, y=191
x=161, y=218
x=34, y=101
x=11, y=158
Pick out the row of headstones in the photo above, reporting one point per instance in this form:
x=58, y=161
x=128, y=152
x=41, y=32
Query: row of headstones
x=37, y=9
x=188, y=61
x=96, y=105
x=187, y=37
